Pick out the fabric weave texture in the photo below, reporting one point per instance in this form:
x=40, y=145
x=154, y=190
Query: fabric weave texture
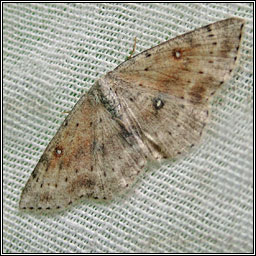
x=201, y=203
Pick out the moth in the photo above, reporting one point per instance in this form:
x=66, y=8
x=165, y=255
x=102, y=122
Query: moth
x=153, y=106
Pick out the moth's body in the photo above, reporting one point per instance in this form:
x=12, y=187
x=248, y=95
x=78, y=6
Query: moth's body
x=152, y=107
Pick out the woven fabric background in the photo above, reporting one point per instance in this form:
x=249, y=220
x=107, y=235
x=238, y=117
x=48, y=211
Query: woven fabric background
x=202, y=203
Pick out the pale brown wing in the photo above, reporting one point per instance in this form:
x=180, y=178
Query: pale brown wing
x=89, y=157
x=191, y=66
x=117, y=154
x=161, y=125
x=66, y=158
x=165, y=91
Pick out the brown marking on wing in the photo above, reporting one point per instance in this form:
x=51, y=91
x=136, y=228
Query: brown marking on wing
x=81, y=182
x=45, y=197
x=197, y=93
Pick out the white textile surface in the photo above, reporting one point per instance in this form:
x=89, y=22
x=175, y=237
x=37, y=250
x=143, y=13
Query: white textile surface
x=202, y=203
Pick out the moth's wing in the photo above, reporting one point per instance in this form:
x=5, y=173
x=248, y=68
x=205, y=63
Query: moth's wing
x=88, y=157
x=163, y=125
x=165, y=90
x=117, y=154
x=191, y=66
x=49, y=184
